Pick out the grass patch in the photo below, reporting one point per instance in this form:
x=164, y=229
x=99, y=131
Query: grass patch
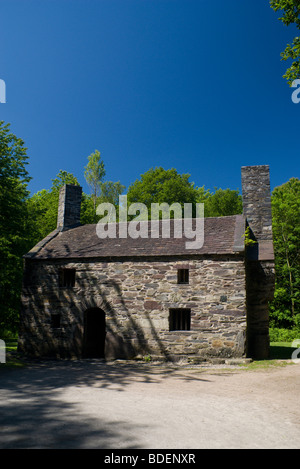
x=264, y=364
x=280, y=355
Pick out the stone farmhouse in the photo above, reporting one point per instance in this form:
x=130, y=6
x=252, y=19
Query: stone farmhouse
x=127, y=298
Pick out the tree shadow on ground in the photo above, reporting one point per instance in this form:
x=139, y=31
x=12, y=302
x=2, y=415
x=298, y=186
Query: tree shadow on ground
x=278, y=352
x=34, y=414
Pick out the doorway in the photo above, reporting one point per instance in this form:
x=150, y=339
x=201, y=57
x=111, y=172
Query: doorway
x=94, y=333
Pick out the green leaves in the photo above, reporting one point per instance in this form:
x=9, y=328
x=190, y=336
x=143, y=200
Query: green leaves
x=159, y=185
x=223, y=202
x=285, y=309
x=43, y=206
x=13, y=158
x=291, y=15
x=14, y=238
x=107, y=191
x=94, y=172
x=63, y=178
x=290, y=8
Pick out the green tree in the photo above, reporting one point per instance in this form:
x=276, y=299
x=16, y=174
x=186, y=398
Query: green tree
x=290, y=15
x=285, y=309
x=94, y=174
x=62, y=178
x=110, y=192
x=14, y=238
x=159, y=185
x=43, y=206
x=221, y=203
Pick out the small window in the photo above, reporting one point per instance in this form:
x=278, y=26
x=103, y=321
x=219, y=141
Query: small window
x=180, y=319
x=183, y=276
x=55, y=321
x=67, y=278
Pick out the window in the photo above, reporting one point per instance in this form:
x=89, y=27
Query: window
x=183, y=276
x=55, y=321
x=180, y=319
x=67, y=278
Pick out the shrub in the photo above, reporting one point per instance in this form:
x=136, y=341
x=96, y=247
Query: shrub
x=283, y=335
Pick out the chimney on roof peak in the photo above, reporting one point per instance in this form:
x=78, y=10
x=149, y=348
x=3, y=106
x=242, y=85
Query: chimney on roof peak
x=257, y=200
x=69, y=207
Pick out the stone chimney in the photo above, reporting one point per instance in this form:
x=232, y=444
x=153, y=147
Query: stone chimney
x=257, y=201
x=69, y=207
x=260, y=268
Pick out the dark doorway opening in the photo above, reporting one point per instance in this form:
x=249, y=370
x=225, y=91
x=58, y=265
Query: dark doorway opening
x=94, y=333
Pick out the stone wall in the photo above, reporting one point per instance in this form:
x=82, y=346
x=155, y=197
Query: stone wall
x=260, y=290
x=136, y=297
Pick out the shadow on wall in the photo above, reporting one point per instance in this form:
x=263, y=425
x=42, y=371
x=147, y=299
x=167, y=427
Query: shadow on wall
x=132, y=341
x=54, y=320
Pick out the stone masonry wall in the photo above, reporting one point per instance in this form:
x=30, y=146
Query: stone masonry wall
x=260, y=290
x=136, y=297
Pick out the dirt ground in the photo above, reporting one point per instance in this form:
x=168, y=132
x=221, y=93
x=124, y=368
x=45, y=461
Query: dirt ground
x=94, y=404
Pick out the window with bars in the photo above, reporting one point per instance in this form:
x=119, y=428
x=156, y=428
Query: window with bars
x=67, y=277
x=55, y=320
x=183, y=276
x=179, y=319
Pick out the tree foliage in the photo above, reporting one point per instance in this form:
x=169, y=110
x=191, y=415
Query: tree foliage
x=221, y=203
x=285, y=309
x=14, y=239
x=110, y=192
x=290, y=15
x=101, y=191
x=158, y=185
x=43, y=206
x=94, y=174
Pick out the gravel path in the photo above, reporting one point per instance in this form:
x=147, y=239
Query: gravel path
x=93, y=404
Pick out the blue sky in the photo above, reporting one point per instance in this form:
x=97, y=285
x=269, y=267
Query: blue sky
x=190, y=84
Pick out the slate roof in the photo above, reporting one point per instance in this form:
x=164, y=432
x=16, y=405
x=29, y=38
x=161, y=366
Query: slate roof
x=222, y=235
